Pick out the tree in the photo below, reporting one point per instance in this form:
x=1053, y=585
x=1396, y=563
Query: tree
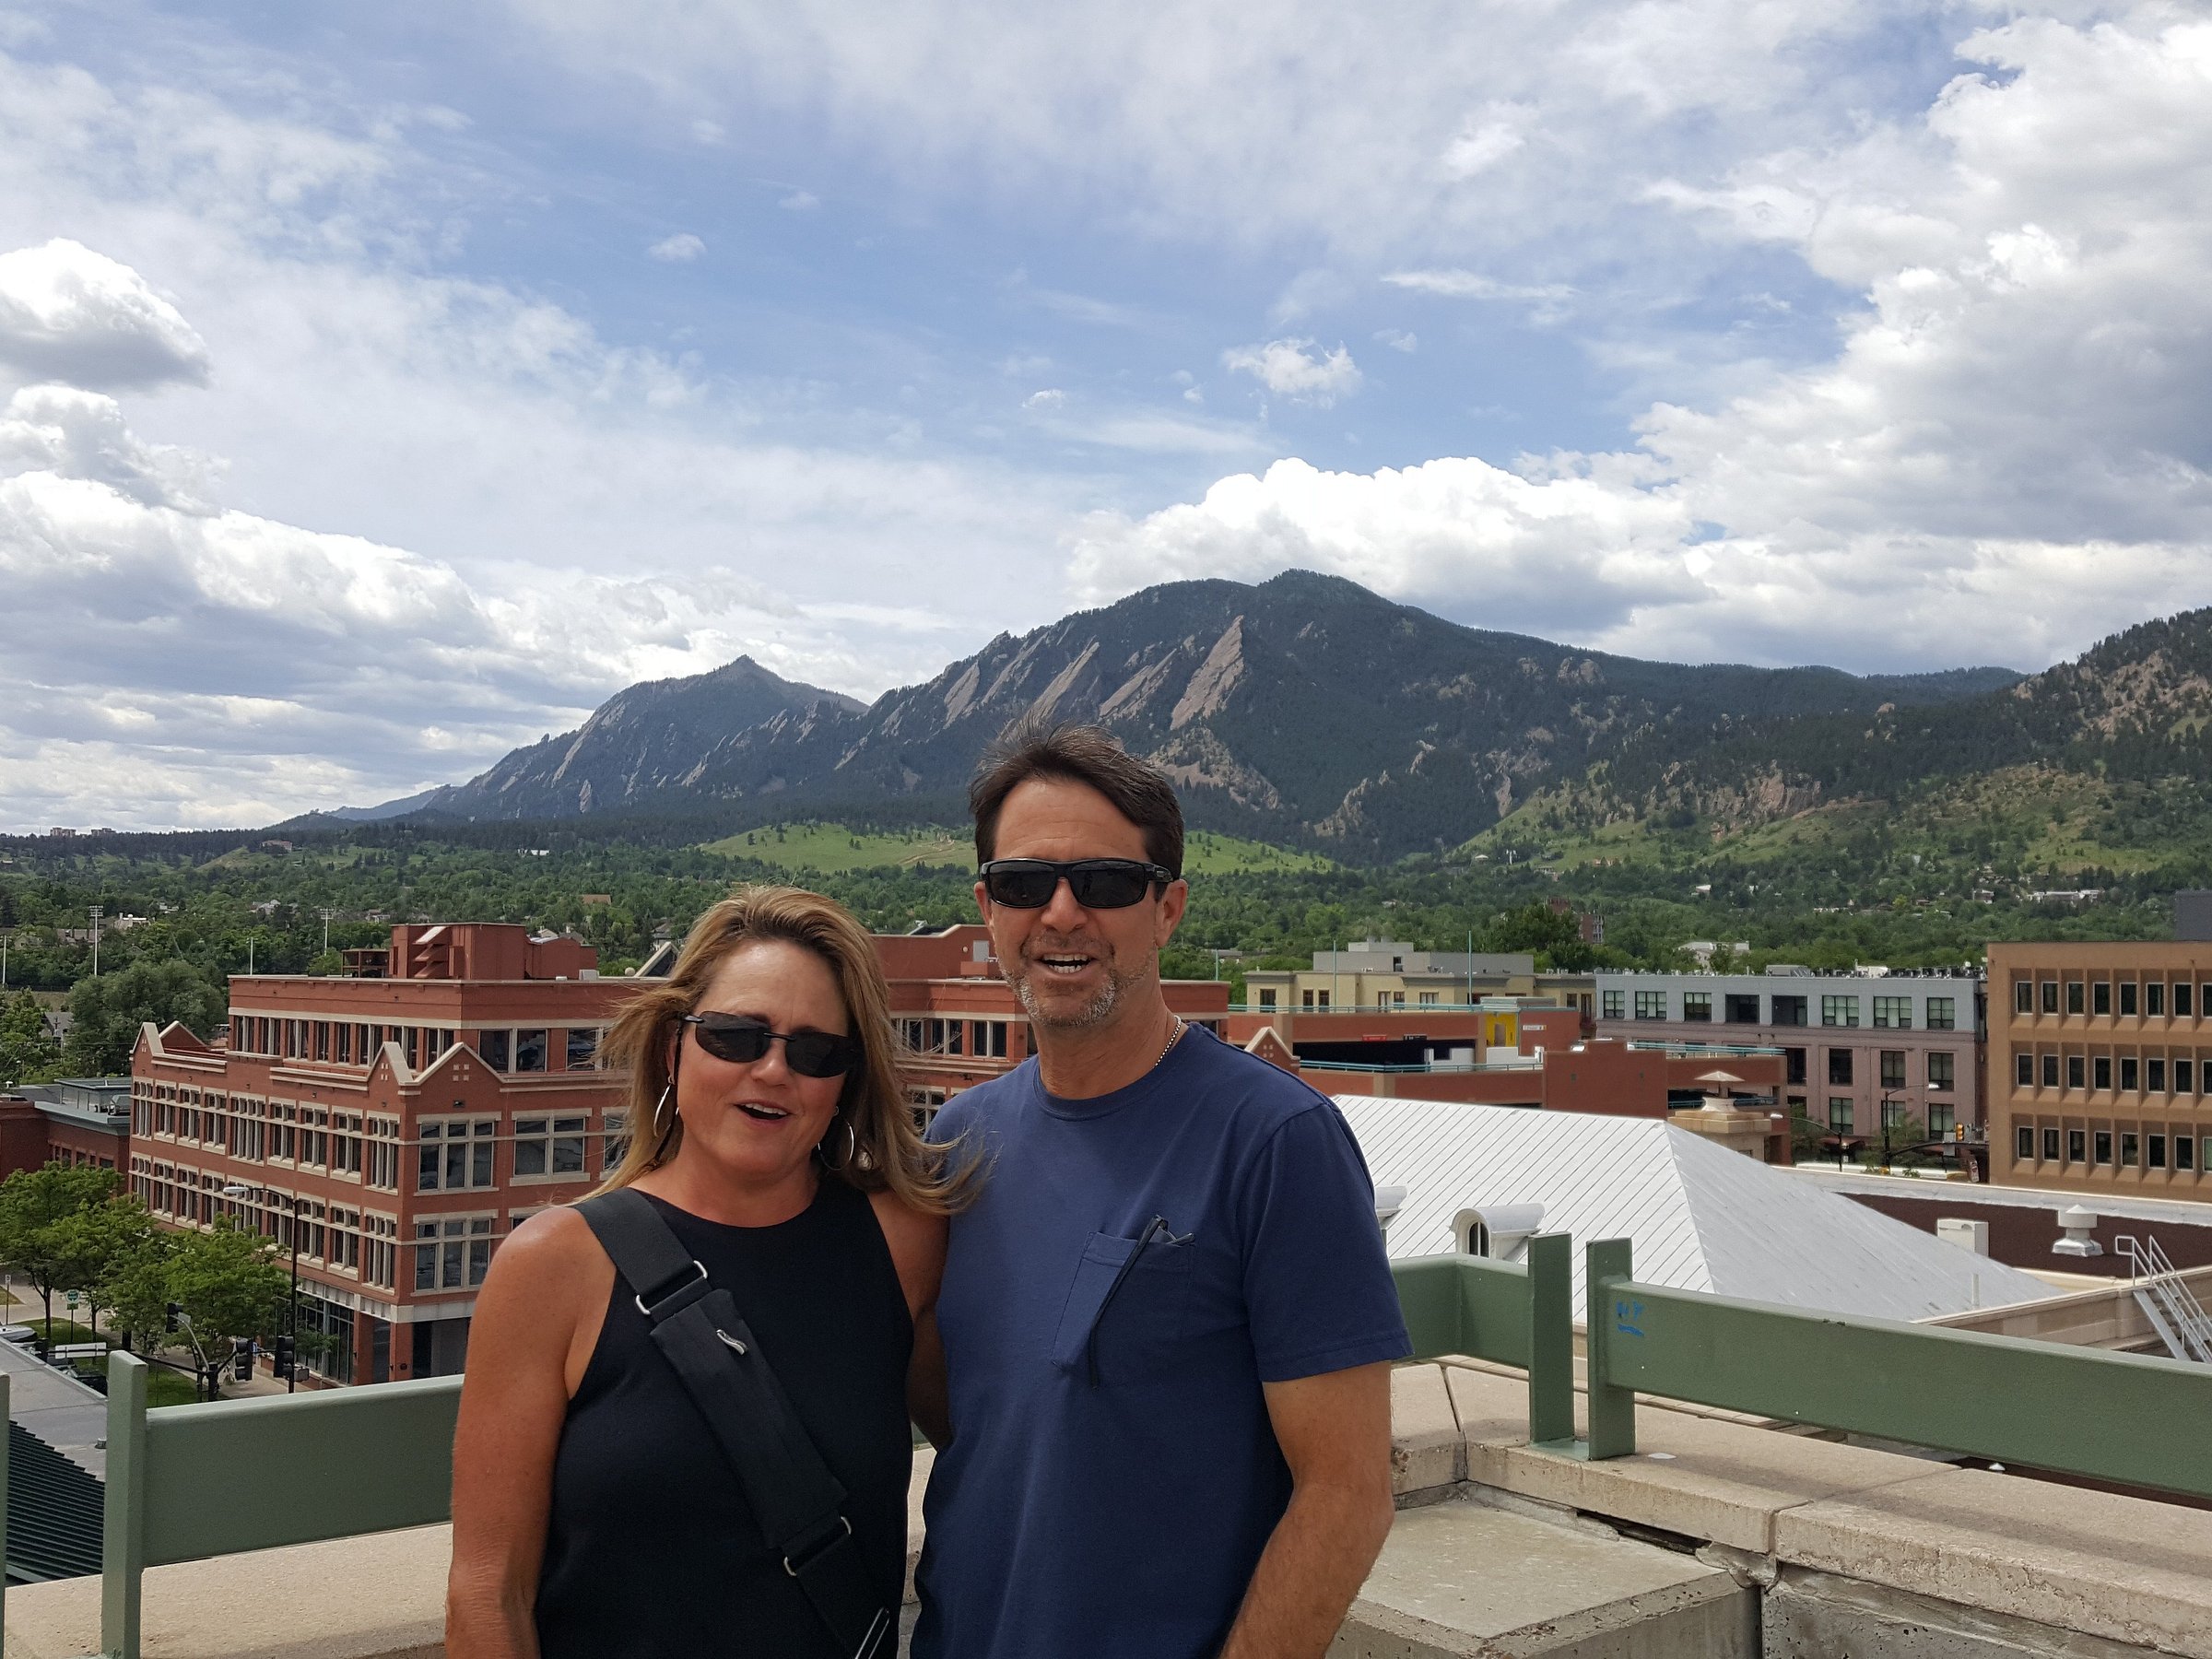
x=106, y=1011
x=229, y=1283
x=137, y=1292
x=33, y=1205
x=27, y=1052
x=93, y=1243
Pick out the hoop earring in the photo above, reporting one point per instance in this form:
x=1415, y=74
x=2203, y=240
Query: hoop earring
x=663, y=1120
x=851, y=1147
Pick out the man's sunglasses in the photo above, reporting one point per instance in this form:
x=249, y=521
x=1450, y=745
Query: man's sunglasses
x=810, y=1054
x=1097, y=883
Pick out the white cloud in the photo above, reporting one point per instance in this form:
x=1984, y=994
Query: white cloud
x=678, y=249
x=1469, y=285
x=67, y=313
x=1049, y=397
x=800, y=201
x=2004, y=460
x=1399, y=339
x=1291, y=369
x=1487, y=138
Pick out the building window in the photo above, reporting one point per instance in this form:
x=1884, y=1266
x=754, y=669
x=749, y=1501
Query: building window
x=2127, y=996
x=1942, y=1070
x=2077, y=1145
x=2184, y=1076
x=616, y=1140
x=1838, y=1065
x=530, y=1051
x=2074, y=1071
x=2181, y=999
x=2100, y=997
x=1943, y=1013
x=1615, y=1005
x=2154, y=1151
x=1651, y=1004
x=2154, y=999
x=2023, y=996
x=1741, y=1010
x=456, y=1156
x=1267, y=997
x=1839, y=1010
x=1940, y=1119
x=2050, y=1071
x=2049, y=992
x=2154, y=1076
x=1698, y=1005
x=2023, y=1071
x=1893, y=1013
x=1795, y=1060
x=1839, y=1115
x=2023, y=1145
x=2129, y=1071
x=1893, y=1114
x=1429, y=999
x=2185, y=1152
x=2104, y=1146
x=1789, y=1011
x=2051, y=1146
x=548, y=1147
x=2101, y=1071
x=497, y=1048
x=582, y=1047
x=1893, y=1068
x=2127, y=1147
x=452, y=1254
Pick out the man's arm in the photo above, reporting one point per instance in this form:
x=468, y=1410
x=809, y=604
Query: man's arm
x=1334, y=1432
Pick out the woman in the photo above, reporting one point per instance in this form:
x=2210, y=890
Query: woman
x=595, y=1516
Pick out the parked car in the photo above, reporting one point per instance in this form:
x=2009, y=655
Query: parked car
x=17, y=1334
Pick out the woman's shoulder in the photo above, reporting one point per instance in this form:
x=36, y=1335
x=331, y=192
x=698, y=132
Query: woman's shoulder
x=916, y=1239
x=552, y=1248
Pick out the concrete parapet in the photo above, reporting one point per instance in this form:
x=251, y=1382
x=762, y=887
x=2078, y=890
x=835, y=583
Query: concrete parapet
x=1462, y=1578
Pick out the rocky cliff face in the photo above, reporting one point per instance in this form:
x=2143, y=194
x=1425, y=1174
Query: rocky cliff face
x=1305, y=707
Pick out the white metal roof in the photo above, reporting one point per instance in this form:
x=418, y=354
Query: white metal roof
x=1702, y=1217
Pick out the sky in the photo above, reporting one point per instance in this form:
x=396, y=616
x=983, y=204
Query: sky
x=382, y=387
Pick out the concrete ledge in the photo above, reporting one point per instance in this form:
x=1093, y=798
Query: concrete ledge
x=1812, y=1615
x=379, y=1596
x=2123, y=1569
x=1427, y=1449
x=1461, y=1578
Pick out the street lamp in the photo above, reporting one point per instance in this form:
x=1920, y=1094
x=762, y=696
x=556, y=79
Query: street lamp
x=1888, y=1096
x=291, y=1318
x=96, y=912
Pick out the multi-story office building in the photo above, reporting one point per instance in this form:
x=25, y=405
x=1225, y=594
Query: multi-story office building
x=407, y=1116
x=1858, y=1050
x=1388, y=974
x=402, y=1124
x=2098, y=1058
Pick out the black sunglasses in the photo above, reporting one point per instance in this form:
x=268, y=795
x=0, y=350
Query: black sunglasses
x=1097, y=883
x=810, y=1054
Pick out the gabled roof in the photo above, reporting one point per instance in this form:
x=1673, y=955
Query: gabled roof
x=1702, y=1217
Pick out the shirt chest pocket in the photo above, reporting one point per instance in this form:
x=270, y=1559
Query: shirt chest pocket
x=1126, y=1309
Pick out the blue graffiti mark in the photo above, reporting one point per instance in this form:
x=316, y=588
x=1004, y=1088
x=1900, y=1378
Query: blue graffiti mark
x=1625, y=1313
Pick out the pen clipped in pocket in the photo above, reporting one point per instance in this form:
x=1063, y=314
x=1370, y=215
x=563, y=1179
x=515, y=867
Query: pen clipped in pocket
x=1138, y=1287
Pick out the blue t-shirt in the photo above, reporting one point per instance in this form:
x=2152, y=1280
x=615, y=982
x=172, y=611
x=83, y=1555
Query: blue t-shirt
x=1112, y=1477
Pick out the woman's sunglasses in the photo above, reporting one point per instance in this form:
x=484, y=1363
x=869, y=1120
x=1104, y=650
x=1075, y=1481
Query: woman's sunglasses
x=1097, y=883
x=810, y=1054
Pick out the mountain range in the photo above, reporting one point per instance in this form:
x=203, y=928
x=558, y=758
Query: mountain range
x=1307, y=709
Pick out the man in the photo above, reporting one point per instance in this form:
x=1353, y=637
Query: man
x=1167, y=1320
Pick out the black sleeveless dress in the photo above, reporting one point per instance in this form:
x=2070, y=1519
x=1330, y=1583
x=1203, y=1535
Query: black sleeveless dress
x=652, y=1551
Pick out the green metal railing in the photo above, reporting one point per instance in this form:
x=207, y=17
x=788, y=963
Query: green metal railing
x=189, y=1482
x=195, y=1481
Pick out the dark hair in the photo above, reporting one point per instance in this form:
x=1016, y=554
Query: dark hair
x=1031, y=747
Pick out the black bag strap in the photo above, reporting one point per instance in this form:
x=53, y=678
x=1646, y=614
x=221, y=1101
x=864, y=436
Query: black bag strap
x=799, y=1503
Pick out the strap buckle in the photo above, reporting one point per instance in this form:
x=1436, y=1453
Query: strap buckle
x=816, y=1551
x=661, y=1301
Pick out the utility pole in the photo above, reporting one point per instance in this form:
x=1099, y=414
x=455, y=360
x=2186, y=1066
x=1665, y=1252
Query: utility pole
x=327, y=913
x=6, y=934
x=96, y=912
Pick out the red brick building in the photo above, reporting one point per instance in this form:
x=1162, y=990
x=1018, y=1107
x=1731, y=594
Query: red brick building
x=414, y=1111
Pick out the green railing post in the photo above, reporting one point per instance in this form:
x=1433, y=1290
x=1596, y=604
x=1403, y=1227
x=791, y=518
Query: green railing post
x=1550, y=1339
x=1612, y=1318
x=122, y=1543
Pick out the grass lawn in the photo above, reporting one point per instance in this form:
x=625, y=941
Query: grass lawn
x=68, y=1330
x=166, y=1387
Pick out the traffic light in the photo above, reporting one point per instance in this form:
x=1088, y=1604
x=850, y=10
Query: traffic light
x=282, y=1350
x=169, y=1321
x=242, y=1358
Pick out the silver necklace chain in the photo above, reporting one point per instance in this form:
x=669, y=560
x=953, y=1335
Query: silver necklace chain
x=1174, y=1036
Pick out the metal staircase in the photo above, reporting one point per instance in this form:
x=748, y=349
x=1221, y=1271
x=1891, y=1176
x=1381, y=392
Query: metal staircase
x=2166, y=1300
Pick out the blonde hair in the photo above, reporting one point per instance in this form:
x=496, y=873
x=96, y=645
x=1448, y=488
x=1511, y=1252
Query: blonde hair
x=887, y=1152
